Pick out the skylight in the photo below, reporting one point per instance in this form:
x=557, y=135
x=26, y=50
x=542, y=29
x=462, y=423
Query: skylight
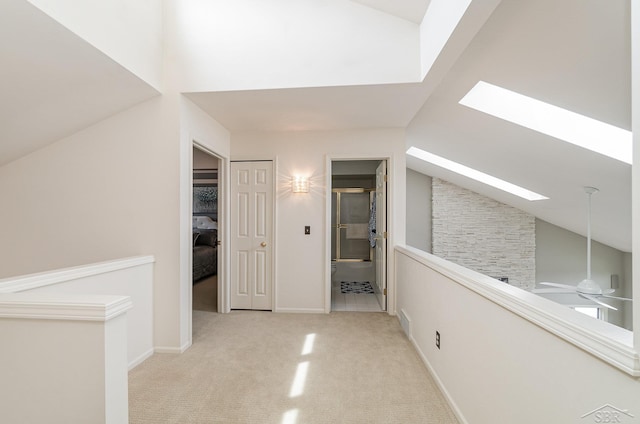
x=551, y=120
x=474, y=174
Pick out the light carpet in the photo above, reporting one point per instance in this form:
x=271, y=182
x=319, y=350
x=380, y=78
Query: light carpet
x=247, y=367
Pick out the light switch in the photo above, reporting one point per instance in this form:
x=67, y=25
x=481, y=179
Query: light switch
x=307, y=229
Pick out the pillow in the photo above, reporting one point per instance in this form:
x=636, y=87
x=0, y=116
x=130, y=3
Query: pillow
x=195, y=237
x=204, y=222
x=207, y=238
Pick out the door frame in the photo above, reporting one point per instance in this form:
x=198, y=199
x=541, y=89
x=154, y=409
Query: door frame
x=390, y=216
x=222, y=251
x=185, y=289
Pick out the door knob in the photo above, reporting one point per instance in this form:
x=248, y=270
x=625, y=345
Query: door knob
x=263, y=244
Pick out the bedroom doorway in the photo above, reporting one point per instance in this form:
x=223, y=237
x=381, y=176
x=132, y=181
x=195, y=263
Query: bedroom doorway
x=205, y=251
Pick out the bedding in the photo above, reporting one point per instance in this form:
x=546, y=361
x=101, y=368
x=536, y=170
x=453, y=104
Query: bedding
x=205, y=253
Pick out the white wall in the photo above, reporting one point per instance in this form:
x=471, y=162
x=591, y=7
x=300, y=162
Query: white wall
x=196, y=127
x=106, y=192
x=302, y=261
x=131, y=277
x=77, y=353
x=627, y=262
x=635, y=127
x=438, y=24
x=445, y=32
x=497, y=367
x=561, y=257
x=130, y=32
x=244, y=44
x=65, y=358
x=202, y=160
x=116, y=189
x=418, y=210
x=71, y=367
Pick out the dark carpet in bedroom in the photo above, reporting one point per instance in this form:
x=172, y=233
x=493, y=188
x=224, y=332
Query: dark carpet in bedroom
x=205, y=294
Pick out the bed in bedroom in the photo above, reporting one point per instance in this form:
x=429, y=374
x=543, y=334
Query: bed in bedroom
x=205, y=247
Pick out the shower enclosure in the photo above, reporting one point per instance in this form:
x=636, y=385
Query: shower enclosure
x=350, y=212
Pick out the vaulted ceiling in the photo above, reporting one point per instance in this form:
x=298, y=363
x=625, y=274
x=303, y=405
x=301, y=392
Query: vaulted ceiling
x=574, y=54
x=53, y=83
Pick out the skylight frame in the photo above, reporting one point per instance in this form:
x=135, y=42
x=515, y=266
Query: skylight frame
x=475, y=174
x=551, y=120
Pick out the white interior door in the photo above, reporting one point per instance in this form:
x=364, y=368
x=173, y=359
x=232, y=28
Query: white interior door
x=251, y=235
x=381, y=234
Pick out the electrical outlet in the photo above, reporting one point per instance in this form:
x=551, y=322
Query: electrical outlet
x=307, y=229
x=438, y=339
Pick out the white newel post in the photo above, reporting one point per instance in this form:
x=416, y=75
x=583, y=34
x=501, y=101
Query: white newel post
x=63, y=358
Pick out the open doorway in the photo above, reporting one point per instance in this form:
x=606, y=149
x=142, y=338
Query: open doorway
x=205, y=248
x=358, y=235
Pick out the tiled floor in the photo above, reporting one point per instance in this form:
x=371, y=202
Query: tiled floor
x=352, y=302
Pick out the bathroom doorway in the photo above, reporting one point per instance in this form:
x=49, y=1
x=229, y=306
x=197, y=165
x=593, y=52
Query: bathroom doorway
x=358, y=235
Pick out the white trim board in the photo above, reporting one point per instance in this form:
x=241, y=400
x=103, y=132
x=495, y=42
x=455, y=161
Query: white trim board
x=41, y=279
x=63, y=307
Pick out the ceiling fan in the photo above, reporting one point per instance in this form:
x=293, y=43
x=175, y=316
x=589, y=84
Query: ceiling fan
x=587, y=288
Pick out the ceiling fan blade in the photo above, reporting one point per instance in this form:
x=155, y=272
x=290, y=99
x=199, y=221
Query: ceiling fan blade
x=608, y=291
x=562, y=286
x=594, y=299
x=556, y=290
x=616, y=297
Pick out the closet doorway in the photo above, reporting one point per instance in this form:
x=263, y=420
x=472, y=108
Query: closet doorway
x=358, y=235
x=205, y=247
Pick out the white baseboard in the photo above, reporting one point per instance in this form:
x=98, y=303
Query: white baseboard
x=439, y=383
x=140, y=359
x=177, y=350
x=300, y=310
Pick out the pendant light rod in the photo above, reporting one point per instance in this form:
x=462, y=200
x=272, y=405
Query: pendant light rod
x=589, y=191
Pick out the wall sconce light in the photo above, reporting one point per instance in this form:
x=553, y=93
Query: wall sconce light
x=300, y=185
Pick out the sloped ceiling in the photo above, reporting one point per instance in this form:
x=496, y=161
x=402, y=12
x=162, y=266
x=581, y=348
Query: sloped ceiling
x=53, y=83
x=574, y=54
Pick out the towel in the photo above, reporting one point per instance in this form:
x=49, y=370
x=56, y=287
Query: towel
x=372, y=223
x=357, y=231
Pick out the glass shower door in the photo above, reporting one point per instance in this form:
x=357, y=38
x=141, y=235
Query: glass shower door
x=350, y=219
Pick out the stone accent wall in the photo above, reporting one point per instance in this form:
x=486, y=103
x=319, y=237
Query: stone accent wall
x=483, y=234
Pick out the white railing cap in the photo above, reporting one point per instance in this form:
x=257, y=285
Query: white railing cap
x=63, y=307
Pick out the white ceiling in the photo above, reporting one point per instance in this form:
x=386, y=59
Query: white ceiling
x=53, y=83
x=411, y=10
x=309, y=109
x=574, y=53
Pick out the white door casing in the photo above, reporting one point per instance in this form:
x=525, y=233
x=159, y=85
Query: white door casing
x=381, y=234
x=251, y=235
